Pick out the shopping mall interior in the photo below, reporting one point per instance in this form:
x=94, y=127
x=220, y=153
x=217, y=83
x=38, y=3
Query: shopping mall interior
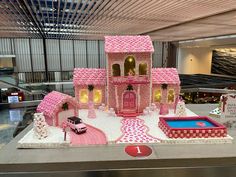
x=43, y=41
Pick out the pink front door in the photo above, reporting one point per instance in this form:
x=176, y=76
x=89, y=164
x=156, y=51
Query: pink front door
x=129, y=100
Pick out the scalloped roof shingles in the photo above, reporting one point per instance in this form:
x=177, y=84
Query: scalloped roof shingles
x=126, y=44
x=87, y=76
x=165, y=76
x=53, y=101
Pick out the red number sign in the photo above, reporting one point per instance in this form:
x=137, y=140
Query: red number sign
x=138, y=151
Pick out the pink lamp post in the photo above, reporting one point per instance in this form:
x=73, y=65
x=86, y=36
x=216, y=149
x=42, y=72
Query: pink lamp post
x=164, y=108
x=91, y=111
x=65, y=129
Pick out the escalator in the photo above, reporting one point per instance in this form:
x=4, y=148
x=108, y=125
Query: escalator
x=16, y=83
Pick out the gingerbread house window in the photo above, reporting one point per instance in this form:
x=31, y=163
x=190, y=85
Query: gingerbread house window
x=171, y=96
x=129, y=66
x=83, y=95
x=97, y=96
x=143, y=69
x=116, y=70
x=157, y=95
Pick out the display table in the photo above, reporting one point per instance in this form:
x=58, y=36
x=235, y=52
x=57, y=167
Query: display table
x=111, y=160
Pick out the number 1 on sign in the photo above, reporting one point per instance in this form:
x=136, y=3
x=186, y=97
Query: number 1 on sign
x=138, y=149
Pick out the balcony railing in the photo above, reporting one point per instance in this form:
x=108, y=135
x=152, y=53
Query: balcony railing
x=129, y=79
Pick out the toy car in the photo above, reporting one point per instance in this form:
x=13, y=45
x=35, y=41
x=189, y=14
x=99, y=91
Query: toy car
x=76, y=124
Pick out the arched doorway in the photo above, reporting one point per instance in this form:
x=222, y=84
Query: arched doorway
x=129, y=100
x=129, y=66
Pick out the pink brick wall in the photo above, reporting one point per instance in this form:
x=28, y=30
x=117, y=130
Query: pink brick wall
x=49, y=119
x=144, y=89
x=120, y=57
x=176, y=89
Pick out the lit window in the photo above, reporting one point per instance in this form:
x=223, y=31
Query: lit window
x=157, y=95
x=143, y=69
x=171, y=96
x=116, y=70
x=129, y=66
x=83, y=95
x=97, y=96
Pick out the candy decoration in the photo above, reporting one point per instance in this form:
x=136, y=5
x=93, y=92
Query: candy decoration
x=180, y=109
x=91, y=110
x=40, y=126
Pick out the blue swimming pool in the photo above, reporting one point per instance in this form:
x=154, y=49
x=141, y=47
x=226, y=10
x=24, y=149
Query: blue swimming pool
x=189, y=124
x=191, y=127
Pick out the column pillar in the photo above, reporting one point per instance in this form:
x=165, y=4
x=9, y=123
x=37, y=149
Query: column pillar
x=45, y=60
x=117, y=99
x=138, y=97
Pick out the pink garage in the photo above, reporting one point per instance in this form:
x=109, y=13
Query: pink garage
x=170, y=77
x=57, y=107
x=84, y=79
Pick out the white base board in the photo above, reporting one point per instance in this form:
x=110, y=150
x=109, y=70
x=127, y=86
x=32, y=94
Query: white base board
x=55, y=139
x=111, y=126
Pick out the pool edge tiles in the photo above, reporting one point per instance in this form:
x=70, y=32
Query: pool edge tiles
x=218, y=131
x=219, y=140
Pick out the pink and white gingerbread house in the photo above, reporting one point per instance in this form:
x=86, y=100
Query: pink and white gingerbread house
x=85, y=77
x=129, y=84
x=56, y=107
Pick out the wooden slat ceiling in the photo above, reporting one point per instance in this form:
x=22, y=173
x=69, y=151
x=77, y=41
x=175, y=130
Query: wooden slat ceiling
x=164, y=20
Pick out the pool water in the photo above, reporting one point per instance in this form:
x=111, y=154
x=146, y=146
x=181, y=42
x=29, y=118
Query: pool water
x=189, y=124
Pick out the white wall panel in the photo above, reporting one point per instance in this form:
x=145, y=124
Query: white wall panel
x=92, y=47
x=194, y=60
x=37, y=54
x=22, y=52
x=94, y=52
x=53, y=55
x=67, y=55
x=102, y=55
x=157, y=55
x=80, y=54
x=5, y=46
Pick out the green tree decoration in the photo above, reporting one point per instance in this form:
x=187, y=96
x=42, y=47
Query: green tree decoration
x=90, y=87
x=129, y=87
x=65, y=106
x=164, y=86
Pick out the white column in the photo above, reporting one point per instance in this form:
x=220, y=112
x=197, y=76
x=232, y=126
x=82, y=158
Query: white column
x=150, y=79
x=54, y=121
x=107, y=81
x=117, y=98
x=138, y=97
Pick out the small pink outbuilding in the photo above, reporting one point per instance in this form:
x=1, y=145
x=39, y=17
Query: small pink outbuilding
x=57, y=107
x=169, y=77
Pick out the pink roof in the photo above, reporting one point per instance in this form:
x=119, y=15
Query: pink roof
x=87, y=76
x=165, y=75
x=53, y=101
x=124, y=44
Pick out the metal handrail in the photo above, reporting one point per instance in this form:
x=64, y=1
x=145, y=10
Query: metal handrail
x=207, y=90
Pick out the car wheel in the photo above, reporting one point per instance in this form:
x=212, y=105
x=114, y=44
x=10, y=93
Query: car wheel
x=76, y=131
